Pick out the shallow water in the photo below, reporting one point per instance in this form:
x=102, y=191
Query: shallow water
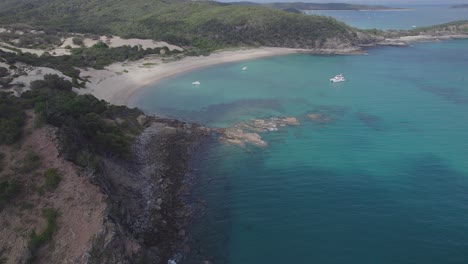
x=416, y=15
x=385, y=181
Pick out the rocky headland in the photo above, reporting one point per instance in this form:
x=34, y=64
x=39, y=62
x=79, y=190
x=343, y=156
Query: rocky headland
x=147, y=216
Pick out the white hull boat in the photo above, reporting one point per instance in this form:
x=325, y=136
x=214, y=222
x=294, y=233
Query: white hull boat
x=338, y=78
x=196, y=83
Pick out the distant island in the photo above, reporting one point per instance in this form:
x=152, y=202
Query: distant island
x=460, y=6
x=287, y=6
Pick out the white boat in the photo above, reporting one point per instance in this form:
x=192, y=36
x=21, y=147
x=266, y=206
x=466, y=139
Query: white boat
x=196, y=83
x=244, y=68
x=338, y=78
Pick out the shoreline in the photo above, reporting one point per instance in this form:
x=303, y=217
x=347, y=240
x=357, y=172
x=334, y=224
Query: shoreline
x=118, y=82
x=407, y=40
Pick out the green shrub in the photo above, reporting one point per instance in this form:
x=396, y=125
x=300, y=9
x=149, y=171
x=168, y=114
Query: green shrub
x=52, y=81
x=31, y=162
x=38, y=240
x=78, y=41
x=12, y=118
x=9, y=189
x=88, y=160
x=85, y=123
x=2, y=157
x=52, y=179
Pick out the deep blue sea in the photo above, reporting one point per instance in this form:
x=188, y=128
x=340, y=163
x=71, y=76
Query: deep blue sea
x=384, y=181
x=414, y=16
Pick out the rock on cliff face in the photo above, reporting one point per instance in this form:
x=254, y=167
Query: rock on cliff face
x=147, y=215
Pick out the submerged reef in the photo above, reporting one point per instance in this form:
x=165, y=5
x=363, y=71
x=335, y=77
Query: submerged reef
x=247, y=132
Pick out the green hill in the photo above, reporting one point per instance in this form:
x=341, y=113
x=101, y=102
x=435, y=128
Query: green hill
x=327, y=6
x=315, y=6
x=204, y=24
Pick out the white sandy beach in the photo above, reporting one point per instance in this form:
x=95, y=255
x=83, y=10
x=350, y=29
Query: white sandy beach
x=118, y=82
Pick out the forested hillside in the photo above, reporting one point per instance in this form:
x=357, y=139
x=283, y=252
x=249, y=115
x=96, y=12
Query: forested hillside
x=204, y=24
x=317, y=6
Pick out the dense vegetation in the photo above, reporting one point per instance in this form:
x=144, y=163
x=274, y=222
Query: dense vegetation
x=205, y=24
x=451, y=28
x=87, y=125
x=455, y=26
x=88, y=129
x=316, y=6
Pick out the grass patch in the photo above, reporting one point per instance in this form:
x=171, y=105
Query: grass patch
x=52, y=179
x=38, y=240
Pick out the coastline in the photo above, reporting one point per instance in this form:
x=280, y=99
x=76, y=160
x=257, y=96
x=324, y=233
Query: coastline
x=119, y=81
x=407, y=40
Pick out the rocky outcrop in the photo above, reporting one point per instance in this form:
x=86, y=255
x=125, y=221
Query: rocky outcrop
x=147, y=216
x=247, y=133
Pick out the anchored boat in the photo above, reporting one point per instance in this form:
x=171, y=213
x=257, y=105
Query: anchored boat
x=338, y=78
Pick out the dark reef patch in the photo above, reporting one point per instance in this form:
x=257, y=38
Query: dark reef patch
x=455, y=95
x=371, y=121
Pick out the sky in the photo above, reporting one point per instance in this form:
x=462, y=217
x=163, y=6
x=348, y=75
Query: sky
x=373, y=2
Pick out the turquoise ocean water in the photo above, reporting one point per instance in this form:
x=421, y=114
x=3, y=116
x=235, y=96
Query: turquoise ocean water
x=385, y=182
x=417, y=15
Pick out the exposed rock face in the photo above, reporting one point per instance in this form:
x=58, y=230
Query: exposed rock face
x=147, y=216
x=239, y=137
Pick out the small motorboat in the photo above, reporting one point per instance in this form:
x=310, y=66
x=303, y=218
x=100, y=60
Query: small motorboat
x=244, y=68
x=196, y=83
x=338, y=78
